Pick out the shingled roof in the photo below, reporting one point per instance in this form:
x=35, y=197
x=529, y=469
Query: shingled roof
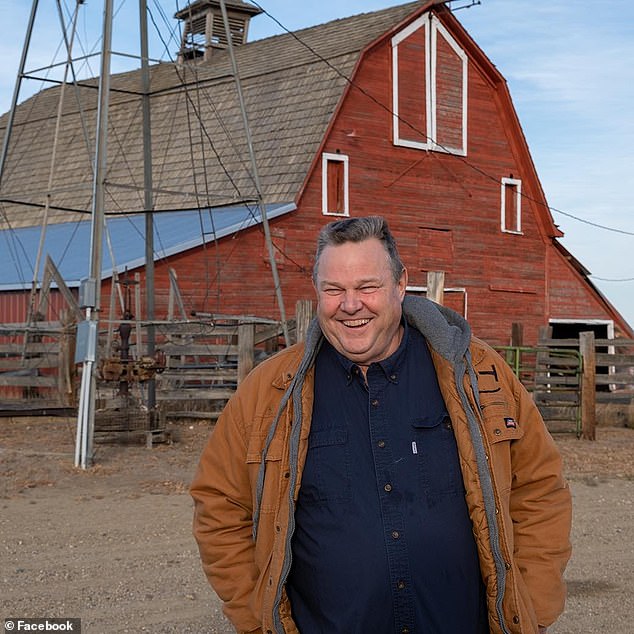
x=292, y=85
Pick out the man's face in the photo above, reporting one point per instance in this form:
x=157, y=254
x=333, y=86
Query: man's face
x=359, y=303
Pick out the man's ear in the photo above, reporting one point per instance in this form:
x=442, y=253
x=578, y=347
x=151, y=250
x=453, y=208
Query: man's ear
x=402, y=283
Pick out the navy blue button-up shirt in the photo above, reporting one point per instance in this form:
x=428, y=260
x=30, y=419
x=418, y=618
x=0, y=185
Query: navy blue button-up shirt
x=383, y=542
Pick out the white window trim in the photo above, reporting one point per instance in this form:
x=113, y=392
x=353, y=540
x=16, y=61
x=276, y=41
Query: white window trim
x=518, y=205
x=592, y=322
x=437, y=26
x=430, y=84
x=343, y=158
x=422, y=290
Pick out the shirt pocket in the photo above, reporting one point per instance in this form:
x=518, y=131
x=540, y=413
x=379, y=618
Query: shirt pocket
x=438, y=465
x=326, y=474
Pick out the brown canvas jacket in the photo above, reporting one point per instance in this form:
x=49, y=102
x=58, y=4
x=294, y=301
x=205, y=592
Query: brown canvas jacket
x=518, y=501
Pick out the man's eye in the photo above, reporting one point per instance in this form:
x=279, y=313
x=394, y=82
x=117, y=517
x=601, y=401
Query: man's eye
x=333, y=292
x=368, y=289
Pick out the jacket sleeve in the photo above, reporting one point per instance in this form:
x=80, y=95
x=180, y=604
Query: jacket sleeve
x=540, y=508
x=223, y=517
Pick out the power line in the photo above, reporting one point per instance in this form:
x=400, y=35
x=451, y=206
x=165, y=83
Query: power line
x=589, y=222
x=606, y=279
x=424, y=134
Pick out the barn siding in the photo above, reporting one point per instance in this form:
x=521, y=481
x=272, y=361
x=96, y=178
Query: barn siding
x=569, y=298
x=14, y=306
x=420, y=193
x=443, y=210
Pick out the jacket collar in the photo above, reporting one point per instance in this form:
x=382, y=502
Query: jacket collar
x=447, y=332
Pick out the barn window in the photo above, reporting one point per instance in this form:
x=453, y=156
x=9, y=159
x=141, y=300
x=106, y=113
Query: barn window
x=334, y=183
x=429, y=89
x=511, y=205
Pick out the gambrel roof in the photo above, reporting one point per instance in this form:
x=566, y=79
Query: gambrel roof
x=292, y=85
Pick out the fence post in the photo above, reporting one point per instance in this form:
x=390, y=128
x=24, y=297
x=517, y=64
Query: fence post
x=66, y=355
x=517, y=334
x=436, y=286
x=246, y=353
x=303, y=315
x=588, y=387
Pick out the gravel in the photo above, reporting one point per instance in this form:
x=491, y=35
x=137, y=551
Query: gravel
x=112, y=545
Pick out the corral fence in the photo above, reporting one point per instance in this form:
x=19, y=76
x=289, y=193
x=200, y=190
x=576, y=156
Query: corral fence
x=576, y=382
x=37, y=372
x=553, y=377
x=200, y=362
x=196, y=367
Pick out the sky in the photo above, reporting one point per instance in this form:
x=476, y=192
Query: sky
x=569, y=67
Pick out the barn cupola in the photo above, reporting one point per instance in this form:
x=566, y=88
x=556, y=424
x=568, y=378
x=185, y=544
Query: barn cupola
x=204, y=30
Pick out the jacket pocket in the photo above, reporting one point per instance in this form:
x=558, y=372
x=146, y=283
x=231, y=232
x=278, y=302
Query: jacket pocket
x=273, y=467
x=326, y=475
x=502, y=430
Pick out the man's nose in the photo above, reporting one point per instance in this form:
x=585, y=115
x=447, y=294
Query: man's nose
x=350, y=302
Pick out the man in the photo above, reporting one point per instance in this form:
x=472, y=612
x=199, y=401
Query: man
x=390, y=474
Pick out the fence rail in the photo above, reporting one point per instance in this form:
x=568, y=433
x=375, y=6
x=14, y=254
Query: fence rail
x=204, y=361
x=570, y=379
x=36, y=370
x=553, y=377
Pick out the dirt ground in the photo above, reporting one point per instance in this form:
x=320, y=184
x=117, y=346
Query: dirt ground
x=112, y=545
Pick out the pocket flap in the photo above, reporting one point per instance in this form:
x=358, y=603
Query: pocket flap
x=256, y=444
x=430, y=421
x=327, y=437
x=503, y=428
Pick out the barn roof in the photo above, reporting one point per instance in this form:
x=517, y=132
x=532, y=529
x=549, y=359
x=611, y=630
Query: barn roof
x=292, y=84
x=68, y=243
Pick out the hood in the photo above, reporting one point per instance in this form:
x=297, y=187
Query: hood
x=447, y=332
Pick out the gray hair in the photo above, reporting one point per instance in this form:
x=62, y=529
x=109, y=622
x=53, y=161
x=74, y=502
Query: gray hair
x=358, y=230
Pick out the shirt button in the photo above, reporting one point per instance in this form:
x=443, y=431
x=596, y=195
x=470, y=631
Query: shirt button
x=381, y=443
x=400, y=584
x=395, y=534
x=375, y=402
x=405, y=630
x=387, y=487
x=393, y=377
x=497, y=432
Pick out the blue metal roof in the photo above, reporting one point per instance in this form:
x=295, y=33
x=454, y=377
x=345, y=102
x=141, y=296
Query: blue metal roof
x=68, y=244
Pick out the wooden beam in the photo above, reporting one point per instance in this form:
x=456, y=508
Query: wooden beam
x=303, y=315
x=436, y=286
x=588, y=388
x=246, y=357
x=51, y=272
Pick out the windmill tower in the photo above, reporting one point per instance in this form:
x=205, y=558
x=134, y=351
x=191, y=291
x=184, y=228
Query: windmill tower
x=207, y=27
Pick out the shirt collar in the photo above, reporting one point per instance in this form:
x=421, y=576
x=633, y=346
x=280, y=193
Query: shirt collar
x=389, y=366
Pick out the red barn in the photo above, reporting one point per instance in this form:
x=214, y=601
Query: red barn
x=396, y=112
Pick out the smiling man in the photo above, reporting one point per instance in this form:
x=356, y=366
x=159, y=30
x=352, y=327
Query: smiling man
x=360, y=292
x=389, y=474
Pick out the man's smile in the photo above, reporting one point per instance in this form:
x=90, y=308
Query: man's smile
x=355, y=323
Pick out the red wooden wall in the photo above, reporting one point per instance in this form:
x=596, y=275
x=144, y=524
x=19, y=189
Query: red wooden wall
x=443, y=209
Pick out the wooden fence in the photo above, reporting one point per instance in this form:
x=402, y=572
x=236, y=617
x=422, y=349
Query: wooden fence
x=36, y=367
x=205, y=361
x=572, y=381
x=553, y=376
